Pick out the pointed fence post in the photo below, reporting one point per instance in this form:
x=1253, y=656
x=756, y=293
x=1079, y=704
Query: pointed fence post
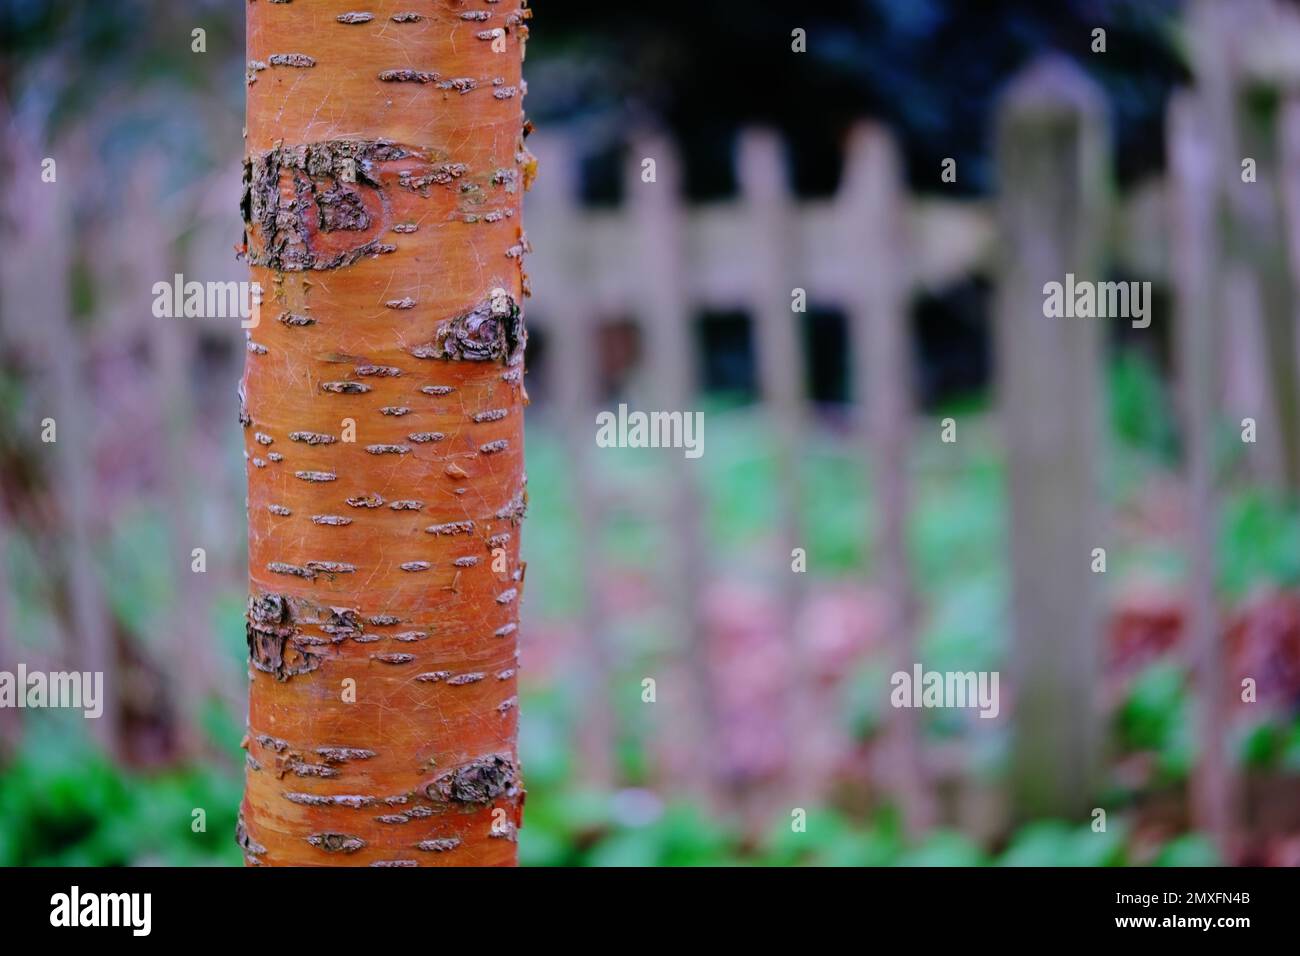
x=1196, y=253
x=672, y=386
x=554, y=199
x=782, y=388
x=883, y=384
x=1052, y=171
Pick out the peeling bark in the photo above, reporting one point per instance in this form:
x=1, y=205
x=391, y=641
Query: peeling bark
x=392, y=393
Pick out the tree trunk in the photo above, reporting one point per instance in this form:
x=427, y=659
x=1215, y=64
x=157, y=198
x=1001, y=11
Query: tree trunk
x=382, y=406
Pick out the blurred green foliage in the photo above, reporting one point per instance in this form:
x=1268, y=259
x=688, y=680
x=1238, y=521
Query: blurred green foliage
x=62, y=802
x=1140, y=408
x=1258, y=543
x=1156, y=717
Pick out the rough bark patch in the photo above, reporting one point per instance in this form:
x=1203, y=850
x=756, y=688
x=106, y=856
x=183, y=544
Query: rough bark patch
x=476, y=782
x=492, y=330
x=277, y=644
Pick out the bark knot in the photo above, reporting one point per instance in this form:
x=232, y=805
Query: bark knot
x=491, y=331
x=477, y=782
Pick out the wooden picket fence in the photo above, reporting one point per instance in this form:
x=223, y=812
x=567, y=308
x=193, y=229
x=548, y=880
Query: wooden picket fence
x=1203, y=233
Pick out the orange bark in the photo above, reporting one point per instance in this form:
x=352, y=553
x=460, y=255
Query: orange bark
x=383, y=409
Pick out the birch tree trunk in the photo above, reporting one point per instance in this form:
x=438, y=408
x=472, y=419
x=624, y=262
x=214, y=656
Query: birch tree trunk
x=382, y=407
